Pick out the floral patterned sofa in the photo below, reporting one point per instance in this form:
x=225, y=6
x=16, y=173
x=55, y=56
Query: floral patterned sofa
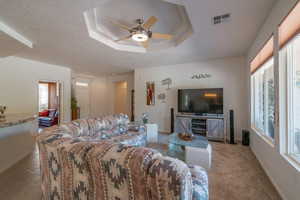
x=98, y=159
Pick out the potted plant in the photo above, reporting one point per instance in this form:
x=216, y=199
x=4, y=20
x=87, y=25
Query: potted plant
x=74, y=108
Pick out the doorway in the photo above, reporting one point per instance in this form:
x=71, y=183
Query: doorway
x=121, y=98
x=82, y=94
x=49, y=98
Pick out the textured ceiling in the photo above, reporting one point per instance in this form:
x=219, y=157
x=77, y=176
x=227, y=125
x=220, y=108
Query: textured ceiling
x=58, y=31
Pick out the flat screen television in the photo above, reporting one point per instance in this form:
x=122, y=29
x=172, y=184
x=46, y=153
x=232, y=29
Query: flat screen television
x=200, y=101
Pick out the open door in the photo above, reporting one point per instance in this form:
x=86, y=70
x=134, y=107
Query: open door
x=49, y=103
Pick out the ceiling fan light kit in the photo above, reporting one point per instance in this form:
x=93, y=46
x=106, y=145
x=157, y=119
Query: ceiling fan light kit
x=140, y=36
x=141, y=32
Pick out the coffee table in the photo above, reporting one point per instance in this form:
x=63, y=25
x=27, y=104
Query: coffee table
x=195, y=152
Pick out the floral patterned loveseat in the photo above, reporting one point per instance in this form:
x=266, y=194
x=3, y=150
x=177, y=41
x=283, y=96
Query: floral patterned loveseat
x=84, y=159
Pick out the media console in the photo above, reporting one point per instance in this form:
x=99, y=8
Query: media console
x=210, y=126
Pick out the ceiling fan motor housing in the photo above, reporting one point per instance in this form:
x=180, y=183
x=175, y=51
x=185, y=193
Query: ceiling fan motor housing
x=139, y=21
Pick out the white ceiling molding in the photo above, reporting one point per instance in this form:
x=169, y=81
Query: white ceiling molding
x=100, y=29
x=11, y=42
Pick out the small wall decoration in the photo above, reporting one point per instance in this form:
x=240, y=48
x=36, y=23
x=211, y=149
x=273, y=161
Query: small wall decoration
x=162, y=97
x=167, y=81
x=201, y=76
x=150, y=93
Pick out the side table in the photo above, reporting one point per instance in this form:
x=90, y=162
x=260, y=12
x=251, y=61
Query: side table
x=152, y=133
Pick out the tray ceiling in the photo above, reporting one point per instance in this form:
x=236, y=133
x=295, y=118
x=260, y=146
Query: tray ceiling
x=59, y=32
x=172, y=19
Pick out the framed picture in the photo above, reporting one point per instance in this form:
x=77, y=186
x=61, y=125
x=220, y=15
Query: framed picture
x=150, y=87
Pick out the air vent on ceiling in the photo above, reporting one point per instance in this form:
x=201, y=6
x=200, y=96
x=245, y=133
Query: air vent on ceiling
x=221, y=19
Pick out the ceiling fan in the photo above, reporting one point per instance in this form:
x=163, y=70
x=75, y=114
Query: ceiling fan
x=141, y=33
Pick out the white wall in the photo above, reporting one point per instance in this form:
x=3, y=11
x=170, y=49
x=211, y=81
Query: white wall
x=19, y=79
x=226, y=73
x=284, y=176
x=99, y=99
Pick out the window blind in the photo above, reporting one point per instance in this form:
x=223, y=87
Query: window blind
x=290, y=26
x=263, y=55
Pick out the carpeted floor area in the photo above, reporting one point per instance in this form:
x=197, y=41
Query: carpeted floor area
x=235, y=175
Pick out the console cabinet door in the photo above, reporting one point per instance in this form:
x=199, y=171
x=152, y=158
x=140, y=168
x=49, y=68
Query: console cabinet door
x=183, y=121
x=215, y=129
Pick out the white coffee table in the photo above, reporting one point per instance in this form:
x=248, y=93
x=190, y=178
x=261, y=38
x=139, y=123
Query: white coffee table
x=195, y=152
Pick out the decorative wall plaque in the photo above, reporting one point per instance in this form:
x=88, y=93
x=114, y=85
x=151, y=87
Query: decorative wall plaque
x=167, y=81
x=201, y=76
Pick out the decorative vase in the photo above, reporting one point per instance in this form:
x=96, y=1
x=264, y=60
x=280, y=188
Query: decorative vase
x=145, y=118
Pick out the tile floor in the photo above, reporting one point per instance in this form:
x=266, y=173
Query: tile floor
x=235, y=175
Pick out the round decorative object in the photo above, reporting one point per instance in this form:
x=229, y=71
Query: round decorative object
x=186, y=137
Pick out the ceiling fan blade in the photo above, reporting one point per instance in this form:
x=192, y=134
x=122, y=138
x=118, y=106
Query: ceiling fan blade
x=125, y=38
x=145, y=44
x=162, y=36
x=120, y=25
x=150, y=22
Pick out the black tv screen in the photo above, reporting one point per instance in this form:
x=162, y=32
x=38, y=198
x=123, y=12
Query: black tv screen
x=201, y=101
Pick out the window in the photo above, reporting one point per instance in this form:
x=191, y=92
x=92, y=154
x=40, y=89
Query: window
x=263, y=91
x=263, y=100
x=291, y=54
x=43, y=96
x=289, y=41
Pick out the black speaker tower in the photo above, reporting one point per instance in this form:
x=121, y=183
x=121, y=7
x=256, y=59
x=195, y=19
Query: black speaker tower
x=172, y=120
x=231, y=126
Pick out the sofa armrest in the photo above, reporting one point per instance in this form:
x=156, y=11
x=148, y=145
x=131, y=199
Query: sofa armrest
x=170, y=178
x=200, y=183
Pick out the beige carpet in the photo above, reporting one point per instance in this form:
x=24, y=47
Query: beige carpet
x=235, y=175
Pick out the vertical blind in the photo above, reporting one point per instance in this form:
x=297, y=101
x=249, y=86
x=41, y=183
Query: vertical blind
x=290, y=26
x=263, y=56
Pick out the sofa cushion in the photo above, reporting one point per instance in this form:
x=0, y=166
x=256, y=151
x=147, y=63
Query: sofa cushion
x=52, y=113
x=44, y=113
x=45, y=118
x=76, y=128
x=130, y=138
x=119, y=121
